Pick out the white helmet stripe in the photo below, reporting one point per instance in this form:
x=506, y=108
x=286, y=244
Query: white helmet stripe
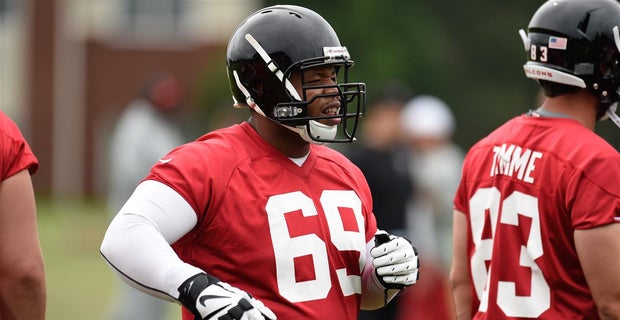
x=525, y=39
x=246, y=93
x=271, y=65
x=617, y=37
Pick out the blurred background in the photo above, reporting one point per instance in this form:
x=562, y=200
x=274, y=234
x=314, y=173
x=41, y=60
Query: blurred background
x=68, y=68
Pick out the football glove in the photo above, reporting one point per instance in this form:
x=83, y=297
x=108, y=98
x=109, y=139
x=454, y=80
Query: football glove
x=396, y=261
x=208, y=298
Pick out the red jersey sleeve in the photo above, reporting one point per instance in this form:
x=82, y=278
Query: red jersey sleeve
x=16, y=153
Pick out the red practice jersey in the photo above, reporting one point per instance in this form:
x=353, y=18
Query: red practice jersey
x=15, y=154
x=293, y=237
x=525, y=188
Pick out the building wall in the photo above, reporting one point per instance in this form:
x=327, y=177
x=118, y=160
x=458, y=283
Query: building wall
x=82, y=62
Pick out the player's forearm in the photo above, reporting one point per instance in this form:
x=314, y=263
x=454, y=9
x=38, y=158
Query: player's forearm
x=609, y=311
x=374, y=295
x=461, y=291
x=462, y=301
x=24, y=292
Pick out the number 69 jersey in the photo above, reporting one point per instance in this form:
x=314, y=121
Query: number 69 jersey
x=525, y=188
x=293, y=237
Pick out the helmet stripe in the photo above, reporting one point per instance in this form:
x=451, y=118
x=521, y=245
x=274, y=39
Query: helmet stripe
x=271, y=65
x=525, y=39
x=617, y=37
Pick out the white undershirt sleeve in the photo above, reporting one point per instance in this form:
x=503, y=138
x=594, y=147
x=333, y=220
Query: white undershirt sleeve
x=137, y=242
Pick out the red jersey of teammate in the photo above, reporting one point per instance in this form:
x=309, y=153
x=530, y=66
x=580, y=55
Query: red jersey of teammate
x=525, y=188
x=15, y=152
x=293, y=237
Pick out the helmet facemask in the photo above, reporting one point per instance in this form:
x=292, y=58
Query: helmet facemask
x=351, y=96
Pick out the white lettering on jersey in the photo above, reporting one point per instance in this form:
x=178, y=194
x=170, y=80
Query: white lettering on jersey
x=511, y=160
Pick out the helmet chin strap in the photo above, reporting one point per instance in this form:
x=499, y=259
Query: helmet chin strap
x=316, y=130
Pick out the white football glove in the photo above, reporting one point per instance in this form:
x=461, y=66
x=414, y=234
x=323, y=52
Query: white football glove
x=208, y=298
x=396, y=261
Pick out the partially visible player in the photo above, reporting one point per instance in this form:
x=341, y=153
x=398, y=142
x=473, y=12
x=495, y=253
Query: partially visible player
x=537, y=212
x=22, y=274
x=258, y=220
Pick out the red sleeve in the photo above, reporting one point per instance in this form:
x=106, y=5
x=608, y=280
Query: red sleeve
x=595, y=193
x=15, y=151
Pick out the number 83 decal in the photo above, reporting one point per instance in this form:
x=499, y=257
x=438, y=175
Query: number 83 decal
x=287, y=248
x=508, y=211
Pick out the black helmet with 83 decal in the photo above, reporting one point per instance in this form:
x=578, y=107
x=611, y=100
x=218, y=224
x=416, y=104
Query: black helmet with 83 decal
x=577, y=43
x=273, y=43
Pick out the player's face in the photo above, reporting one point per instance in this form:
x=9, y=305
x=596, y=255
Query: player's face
x=321, y=106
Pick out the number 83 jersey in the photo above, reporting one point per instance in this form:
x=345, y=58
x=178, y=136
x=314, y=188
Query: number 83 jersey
x=525, y=189
x=294, y=237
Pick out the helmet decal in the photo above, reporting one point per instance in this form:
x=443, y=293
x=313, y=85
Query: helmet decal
x=557, y=43
x=545, y=73
x=336, y=52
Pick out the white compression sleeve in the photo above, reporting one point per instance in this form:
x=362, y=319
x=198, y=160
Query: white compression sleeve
x=137, y=242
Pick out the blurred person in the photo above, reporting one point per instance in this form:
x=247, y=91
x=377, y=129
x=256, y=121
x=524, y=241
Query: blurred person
x=435, y=165
x=537, y=212
x=146, y=130
x=23, y=292
x=383, y=160
x=259, y=220
x=428, y=124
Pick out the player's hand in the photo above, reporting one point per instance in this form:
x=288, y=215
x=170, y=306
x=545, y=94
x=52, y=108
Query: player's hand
x=208, y=298
x=396, y=261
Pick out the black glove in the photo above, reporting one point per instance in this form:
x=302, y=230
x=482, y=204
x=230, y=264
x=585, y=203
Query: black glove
x=208, y=298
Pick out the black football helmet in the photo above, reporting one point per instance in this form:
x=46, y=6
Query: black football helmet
x=268, y=47
x=577, y=43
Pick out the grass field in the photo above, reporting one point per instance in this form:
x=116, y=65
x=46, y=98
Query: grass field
x=80, y=284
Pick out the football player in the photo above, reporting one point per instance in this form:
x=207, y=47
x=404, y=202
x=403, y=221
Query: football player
x=537, y=212
x=259, y=220
x=22, y=274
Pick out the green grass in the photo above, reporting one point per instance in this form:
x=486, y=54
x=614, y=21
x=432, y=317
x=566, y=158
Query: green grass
x=80, y=285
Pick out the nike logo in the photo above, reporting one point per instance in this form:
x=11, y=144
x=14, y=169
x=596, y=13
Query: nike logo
x=164, y=161
x=202, y=299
